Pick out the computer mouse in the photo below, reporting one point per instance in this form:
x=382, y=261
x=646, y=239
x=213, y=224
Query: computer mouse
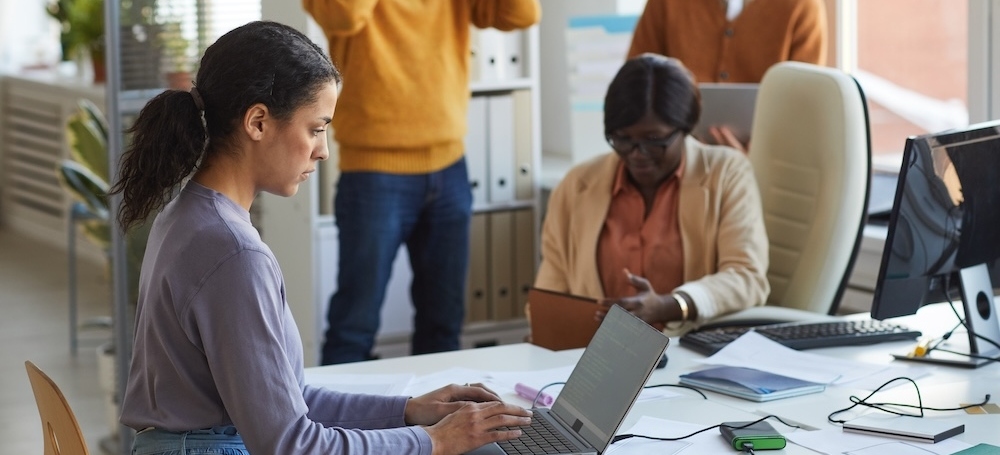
x=663, y=362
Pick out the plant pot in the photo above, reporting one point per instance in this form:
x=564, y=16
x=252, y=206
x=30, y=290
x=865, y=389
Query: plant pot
x=179, y=80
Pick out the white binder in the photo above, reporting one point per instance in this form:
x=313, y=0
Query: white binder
x=476, y=146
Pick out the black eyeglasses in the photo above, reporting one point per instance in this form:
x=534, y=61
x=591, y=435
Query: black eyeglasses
x=649, y=147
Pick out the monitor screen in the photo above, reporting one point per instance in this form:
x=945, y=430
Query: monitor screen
x=945, y=217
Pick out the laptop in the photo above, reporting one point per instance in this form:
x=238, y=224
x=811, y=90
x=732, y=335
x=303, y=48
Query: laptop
x=729, y=105
x=561, y=321
x=601, y=389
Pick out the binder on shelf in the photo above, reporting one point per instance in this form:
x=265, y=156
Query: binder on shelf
x=476, y=149
x=489, y=45
x=524, y=258
x=523, y=175
x=501, y=147
x=501, y=260
x=477, y=299
x=512, y=52
x=475, y=67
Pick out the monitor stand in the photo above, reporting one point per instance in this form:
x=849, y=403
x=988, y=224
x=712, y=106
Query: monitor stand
x=980, y=319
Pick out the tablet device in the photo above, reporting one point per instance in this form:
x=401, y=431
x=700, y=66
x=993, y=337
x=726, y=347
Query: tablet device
x=729, y=105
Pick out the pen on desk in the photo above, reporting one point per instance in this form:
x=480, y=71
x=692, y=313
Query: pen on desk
x=531, y=393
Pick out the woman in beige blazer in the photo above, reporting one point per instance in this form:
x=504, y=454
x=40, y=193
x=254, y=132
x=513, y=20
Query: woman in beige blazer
x=664, y=225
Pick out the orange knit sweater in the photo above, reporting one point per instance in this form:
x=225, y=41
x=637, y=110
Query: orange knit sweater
x=402, y=108
x=717, y=50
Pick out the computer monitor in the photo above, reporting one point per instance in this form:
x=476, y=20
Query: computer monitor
x=943, y=235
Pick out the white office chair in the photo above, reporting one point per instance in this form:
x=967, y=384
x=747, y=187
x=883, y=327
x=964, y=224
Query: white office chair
x=810, y=149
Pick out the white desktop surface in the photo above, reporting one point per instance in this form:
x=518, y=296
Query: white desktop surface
x=945, y=387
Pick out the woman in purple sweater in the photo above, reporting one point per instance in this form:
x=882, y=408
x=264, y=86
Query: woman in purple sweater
x=217, y=362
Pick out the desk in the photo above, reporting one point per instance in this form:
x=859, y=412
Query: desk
x=945, y=387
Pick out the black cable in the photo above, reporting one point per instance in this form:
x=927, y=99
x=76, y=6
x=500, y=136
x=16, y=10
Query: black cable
x=881, y=406
x=621, y=437
x=680, y=386
x=748, y=448
x=539, y=394
x=962, y=322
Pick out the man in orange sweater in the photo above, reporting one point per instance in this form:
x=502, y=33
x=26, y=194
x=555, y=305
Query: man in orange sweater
x=732, y=40
x=400, y=127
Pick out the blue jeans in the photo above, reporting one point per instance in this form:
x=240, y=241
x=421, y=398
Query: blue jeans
x=376, y=213
x=215, y=441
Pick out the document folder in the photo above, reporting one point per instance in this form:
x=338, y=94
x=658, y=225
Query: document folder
x=561, y=321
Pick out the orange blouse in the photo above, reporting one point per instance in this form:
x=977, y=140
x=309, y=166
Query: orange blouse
x=650, y=247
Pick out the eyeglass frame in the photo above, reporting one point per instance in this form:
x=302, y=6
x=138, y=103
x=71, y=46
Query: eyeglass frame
x=644, y=144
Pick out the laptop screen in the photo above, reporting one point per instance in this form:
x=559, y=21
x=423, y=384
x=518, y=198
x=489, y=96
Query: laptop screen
x=609, y=376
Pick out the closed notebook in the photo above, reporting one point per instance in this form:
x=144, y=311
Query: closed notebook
x=750, y=384
x=561, y=321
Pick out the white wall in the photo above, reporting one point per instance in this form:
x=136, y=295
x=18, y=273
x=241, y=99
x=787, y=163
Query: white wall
x=27, y=35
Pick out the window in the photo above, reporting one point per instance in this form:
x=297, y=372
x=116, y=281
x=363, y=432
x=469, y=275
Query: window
x=912, y=62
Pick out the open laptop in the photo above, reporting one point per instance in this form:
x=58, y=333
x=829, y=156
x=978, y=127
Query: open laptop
x=730, y=105
x=601, y=389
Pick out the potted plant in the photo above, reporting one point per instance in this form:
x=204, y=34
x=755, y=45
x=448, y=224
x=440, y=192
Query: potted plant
x=85, y=177
x=81, y=31
x=178, y=61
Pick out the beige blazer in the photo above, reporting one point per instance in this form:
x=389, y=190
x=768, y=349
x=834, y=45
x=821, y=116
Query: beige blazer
x=722, y=230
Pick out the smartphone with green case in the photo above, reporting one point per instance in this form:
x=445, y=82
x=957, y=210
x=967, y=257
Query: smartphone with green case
x=761, y=434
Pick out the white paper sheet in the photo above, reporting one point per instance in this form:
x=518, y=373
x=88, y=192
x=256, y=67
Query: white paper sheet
x=838, y=442
x=707, y=442
x=372, y=384
x=757, y=351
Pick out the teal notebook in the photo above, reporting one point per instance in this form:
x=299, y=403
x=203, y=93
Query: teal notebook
x=750, y=384
x=980, y=449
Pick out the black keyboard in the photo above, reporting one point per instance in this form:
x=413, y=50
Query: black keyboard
x=804, y=335
x=539, y=438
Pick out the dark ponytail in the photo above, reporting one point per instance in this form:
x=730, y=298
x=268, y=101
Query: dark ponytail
x=260, y=62
x=168, y=139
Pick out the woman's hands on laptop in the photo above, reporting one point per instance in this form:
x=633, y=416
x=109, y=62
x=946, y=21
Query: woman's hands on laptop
x=463, y=418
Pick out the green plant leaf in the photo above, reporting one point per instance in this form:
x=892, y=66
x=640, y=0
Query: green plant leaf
x=85, y=186
x=88, y=141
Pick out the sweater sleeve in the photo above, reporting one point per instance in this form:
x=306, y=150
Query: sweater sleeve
x=808, y=33
x=340, y=17
x=740, y=281
x=242, y=323
x=650, y=34
x=505, y=14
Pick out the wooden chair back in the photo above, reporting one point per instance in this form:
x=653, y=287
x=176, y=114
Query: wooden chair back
x=60, y=429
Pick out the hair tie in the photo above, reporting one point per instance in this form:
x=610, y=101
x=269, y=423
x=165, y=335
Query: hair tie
x=198, y=101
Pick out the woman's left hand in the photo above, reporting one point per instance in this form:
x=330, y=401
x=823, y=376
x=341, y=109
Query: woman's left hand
x=429, y=408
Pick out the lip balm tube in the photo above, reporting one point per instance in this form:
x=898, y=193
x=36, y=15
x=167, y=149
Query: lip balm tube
x=530, y=393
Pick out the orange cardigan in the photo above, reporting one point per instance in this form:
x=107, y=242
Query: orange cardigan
x=402, y=108
x=716, y=50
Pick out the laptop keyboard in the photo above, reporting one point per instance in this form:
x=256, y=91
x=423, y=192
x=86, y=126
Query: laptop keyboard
x=539, y=438
x=804, y=336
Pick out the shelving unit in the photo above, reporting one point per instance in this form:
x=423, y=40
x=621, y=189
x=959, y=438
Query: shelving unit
x=303, y=236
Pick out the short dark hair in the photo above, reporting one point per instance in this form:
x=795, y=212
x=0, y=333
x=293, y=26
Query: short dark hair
x=260, y=62
x=652, y=83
